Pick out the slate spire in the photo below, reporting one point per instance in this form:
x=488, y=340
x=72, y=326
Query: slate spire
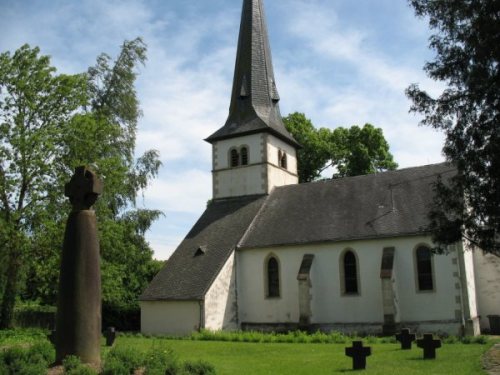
x=254, y=101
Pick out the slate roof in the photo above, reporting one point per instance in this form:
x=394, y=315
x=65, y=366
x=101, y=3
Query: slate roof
x=254, y=100
x=192, y=268
x=379, y=205
x=388, y=204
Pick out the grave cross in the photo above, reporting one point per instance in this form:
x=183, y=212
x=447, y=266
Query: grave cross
x=110, y=335
x=429, y=345
x=83, y=189
x=406, y=338
x=358, y=354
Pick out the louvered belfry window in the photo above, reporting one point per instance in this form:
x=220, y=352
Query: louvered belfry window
x=350, y=273
x=234, y=158
x=244, y=156
x=424, y=268
x=273, y=278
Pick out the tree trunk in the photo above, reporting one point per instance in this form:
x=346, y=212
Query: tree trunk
x=10, y=292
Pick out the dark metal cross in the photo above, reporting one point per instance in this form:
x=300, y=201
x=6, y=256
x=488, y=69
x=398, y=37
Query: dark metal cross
x=358, y=354
x=429, y=345
x=83, y=189
x=406, y=338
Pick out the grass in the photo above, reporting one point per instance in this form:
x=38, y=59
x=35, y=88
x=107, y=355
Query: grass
x=253, y=353
x=296, y=358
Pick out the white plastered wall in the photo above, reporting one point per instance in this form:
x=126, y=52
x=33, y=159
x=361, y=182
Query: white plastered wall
x=221, y=310
x=170, y=317
x=279, y=176
x=487, y=274
x=242, y=180
x=261, y=174
x=328, y=304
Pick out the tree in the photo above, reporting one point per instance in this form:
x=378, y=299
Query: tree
x=101, y=133
x=34, y=106
x=351, y=151
x=467, y=45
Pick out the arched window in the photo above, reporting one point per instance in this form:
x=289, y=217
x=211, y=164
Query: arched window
x=423, y=256
x=244, y=156
x=282, y=159
x=273, y=278
x=234, y=158
x=350, y=273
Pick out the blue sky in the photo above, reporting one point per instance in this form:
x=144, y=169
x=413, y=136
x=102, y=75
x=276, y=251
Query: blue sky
x=341, y=62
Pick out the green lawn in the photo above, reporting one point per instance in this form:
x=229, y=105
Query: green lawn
x=293, y=358
x=314, y=359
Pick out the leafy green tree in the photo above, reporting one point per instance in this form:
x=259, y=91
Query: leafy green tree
x=35, y=103
x=98, y=130
x=467, y=46
x=351, y=151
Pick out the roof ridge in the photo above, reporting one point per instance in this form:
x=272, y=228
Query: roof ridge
x=332, y=180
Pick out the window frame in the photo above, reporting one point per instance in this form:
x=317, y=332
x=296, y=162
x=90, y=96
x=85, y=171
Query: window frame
x=417, y=272
x=343, y=276
x=244, y=152
x=267, y=280
x=234, y=158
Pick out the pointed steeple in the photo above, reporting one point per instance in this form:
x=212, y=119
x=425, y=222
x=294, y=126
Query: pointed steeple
x=254, y=101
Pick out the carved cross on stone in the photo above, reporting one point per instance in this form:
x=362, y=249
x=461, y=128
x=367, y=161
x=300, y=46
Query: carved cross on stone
x=358, y=354
x=429, y=345
x=83, y=189
x=406, y=338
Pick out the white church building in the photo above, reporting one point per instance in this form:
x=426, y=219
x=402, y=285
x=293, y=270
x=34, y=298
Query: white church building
x=350, y=254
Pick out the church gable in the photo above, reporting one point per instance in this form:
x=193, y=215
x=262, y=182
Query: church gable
x=192, y=268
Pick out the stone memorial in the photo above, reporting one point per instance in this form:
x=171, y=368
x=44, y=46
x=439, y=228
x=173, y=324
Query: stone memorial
x=429, y=345
x=110, y=335
x=406, y=338
x=358, y=353
x=78, y=320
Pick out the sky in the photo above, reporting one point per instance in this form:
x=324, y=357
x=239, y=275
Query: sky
x=341, y=62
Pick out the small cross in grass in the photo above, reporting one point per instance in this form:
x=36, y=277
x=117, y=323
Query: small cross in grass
x=429, y=345
x=358, y=354
x=406, y=338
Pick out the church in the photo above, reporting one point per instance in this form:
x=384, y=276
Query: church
x=349, y=254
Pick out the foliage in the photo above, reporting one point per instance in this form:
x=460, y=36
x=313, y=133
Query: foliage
x=10, y=337
x=32, y=361
x=34, y=106
x=34, y=315
x=467, y=46
x=350, y=151
x=73, y=366
x=49, y=124
x=198, y=368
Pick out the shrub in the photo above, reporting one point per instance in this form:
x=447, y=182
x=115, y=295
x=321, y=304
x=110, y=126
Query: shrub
x=160, y=362
x=73, y=366
x=27, y=361
x=122, y=360
x=33, y=315
x=198, y=368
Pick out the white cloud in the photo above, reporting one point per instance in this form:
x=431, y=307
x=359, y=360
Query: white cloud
x=185, y=191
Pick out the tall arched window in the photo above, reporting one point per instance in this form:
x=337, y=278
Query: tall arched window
x=423, y=257
x=273, y=278
x=234, y=158
x=350, y=273
x=244, y=156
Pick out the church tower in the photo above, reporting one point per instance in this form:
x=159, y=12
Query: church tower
x=253, y=152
